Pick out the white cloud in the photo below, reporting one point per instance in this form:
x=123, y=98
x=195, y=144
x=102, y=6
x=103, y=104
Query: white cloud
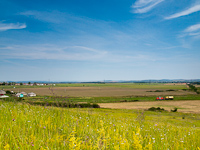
x=143, y=6
x=185, y=12
x=193, y=31
x=51, y=52
x=71, y=53
x=193, y=28
x=9, y=26
x=52, y=17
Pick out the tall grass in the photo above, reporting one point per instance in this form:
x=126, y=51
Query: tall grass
x=24, y=126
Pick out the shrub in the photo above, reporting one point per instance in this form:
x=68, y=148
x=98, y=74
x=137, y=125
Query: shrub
x=170, y=90
x=8, y=92
x=158, y=91
x=156, y=109
x=174, y=110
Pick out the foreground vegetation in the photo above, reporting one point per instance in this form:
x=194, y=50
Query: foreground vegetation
x=24, y=126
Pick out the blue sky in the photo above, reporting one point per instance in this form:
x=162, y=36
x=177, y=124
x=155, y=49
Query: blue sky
x=76, y=40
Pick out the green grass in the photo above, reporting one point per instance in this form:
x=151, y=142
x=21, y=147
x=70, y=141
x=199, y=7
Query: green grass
x=125, y=85
x=25, y=126
x=48, y=99
x=112, y=99
x=118, y=85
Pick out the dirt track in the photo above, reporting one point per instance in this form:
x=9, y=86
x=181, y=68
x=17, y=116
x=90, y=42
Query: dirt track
x=189, y=106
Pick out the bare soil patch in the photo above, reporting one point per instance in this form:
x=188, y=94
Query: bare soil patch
x=189, y=106
x=99, y=91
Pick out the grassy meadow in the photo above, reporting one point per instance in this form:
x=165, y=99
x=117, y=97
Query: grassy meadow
x=26, y=126
x=32, y=123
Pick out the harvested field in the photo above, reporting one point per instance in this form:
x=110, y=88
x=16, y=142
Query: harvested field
x=100, y=91
x=192, y=106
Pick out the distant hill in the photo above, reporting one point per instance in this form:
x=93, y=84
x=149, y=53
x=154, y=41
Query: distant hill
x=118, y=81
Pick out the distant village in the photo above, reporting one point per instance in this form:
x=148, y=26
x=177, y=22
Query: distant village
x=4, y=94
x=28, y=84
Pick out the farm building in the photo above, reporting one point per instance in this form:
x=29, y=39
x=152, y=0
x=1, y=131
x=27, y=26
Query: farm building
x=2, y=94
x=19, y=95
x=24, y=93
x=31, y=94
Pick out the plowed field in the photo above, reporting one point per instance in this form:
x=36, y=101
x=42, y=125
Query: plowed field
x=99, y=91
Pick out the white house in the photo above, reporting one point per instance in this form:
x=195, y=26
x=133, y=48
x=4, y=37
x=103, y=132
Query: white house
x=2, y=94
x=31, y=94
x=19, y=95
x=24, y=93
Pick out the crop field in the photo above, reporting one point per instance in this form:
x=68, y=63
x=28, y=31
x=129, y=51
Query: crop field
x=24, y=126
x=106, y=90
x=183, y=106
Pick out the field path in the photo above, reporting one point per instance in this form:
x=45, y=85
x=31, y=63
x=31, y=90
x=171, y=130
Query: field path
x=189, y=106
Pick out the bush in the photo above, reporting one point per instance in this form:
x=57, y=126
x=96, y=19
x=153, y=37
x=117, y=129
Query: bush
x=170, y=90
x=174, y=110
x=156, y=109
x=66, y=104
x=8, y=92
x=158, y=91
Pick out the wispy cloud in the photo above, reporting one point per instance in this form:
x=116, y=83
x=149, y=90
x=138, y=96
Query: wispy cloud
x=188, y=11
x=52, y=17
x=51, y=52
x=143, y=6
x=193, y=30
x=71, y=53
x=10, y=26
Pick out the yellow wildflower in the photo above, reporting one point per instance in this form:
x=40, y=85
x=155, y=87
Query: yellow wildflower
x=7, y=147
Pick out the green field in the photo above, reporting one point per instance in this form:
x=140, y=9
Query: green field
x=34, y=127
x=120, y=85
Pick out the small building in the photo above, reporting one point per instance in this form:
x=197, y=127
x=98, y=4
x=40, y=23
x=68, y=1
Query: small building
x=19, y=95
x=2, y=94
x=24, y=93
x=31, y=94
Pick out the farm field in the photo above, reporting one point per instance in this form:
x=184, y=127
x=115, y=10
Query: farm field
x=192, y=106
x=99, y=91
x=106, y=90
x=31, y=127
